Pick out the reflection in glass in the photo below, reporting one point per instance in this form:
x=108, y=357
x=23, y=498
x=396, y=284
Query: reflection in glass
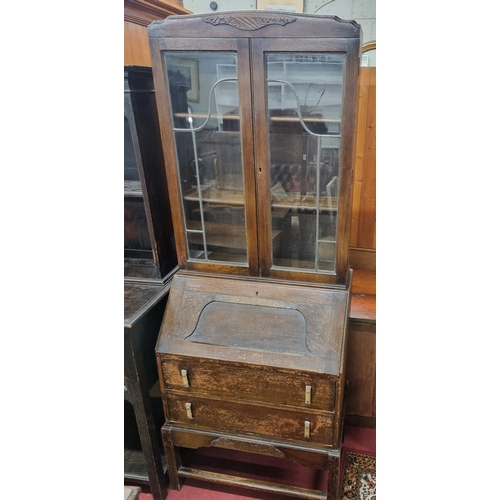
x=305, y=127
x=137, y=240
x=206, y=116
x=131, y=170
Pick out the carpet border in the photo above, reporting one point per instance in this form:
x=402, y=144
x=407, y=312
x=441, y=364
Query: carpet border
x=342, y=461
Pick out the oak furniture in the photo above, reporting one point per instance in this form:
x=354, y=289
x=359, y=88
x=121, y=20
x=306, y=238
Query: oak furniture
x=361, y=355
x=149, y=264
x=138, y=14
x=257, y=114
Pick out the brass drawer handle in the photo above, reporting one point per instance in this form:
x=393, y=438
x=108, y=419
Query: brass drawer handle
x=189, y=413
x=307, y=429
x=308, y=394
x=185, y=380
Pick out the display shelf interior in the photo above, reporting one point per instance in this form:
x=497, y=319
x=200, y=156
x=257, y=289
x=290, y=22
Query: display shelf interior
x=217, y=196
x=139, y=268
x=308, y=203
x=132, y=189
x=307, y=265
x=135, y=469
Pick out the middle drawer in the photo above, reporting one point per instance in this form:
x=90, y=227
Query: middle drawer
x=237, y=381
x=230, y=416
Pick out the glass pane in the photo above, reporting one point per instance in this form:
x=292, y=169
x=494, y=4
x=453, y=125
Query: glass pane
x=137, y=241
x=131, y=170
x=206, y=116
x=136, y=226
x=304, y=96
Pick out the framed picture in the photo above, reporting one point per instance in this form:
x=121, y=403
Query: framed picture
x=189, y=69
x=285, y=5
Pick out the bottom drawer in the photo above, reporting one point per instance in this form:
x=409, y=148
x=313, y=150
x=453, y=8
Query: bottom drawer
x=229, y=416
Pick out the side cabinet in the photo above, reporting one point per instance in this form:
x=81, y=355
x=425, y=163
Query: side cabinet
x=150, y=262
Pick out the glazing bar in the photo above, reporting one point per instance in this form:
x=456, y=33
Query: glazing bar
x=198, y=185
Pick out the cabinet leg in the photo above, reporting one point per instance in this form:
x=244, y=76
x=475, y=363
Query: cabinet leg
x=151, y=449
x=333, y=492
x=173, y=459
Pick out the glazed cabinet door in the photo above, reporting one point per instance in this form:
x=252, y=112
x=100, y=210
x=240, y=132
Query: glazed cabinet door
x=204, y=102
x=304, y=133
x=140, y=251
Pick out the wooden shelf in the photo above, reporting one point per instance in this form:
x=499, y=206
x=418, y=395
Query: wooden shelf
x=236, y=199
x=140, y=268
x=308, y=203
x=221, y=235
x=135, y=468
x=133, y=189
x=326, y=266
x=253, y=484
x=223, y=197
x=306, y=119
x=237, y=258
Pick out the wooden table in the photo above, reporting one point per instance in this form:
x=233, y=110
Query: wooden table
x=144, y=305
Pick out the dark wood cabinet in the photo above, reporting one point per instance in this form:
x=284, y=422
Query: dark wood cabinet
x=144, y=462
x=150, y=262
x=257, y=115
x=149, y=238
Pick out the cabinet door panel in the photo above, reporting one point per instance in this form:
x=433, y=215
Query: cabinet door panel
x=302, y=125
x=207, y=101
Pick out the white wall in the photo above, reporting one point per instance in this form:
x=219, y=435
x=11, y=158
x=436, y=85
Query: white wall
x=362, y=11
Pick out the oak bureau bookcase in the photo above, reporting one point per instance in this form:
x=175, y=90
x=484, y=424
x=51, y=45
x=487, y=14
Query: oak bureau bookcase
x=257, y=116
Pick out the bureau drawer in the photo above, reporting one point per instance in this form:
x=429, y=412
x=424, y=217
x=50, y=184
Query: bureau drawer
x=229, y=416
x=260, y=383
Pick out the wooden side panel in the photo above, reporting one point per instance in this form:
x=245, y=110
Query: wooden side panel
x=363, y=258
x=364, y=200
x=136, y=45
x=364, y=281
x=138, y=14
x=361, y=367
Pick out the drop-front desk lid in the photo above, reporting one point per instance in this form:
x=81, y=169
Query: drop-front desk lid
x=291, y=326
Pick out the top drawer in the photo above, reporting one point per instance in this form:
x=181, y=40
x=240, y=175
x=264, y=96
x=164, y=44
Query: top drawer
x=259, y=383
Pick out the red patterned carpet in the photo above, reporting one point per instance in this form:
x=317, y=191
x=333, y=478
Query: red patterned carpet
x=358, y=477
x=359, y=472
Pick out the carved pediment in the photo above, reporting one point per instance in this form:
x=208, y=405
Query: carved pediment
x=249, y=23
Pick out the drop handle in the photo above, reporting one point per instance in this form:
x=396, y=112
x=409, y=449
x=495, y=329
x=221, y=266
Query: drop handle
x=184, y=375
x=308, y=394
x=189, y=412
x=307, y=429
